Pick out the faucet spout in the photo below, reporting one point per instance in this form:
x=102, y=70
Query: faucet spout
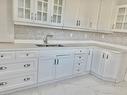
x=46, y=38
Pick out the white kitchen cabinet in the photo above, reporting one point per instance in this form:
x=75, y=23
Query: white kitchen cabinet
x=57, y=11
x=82, y=61
x=71, y=10
x=97, y=55
x=43, y=13
x=6, y=22
x=55, y=64
x=46, y=68
x=107, y=65
x=64, y=66
x=24, y=10
x=106, y=16
x=120, y=23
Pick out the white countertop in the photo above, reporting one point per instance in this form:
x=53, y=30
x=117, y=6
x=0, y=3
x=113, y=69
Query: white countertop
x=67, y=44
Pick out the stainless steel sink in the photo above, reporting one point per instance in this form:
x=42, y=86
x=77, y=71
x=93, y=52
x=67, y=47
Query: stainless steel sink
x=49, y=45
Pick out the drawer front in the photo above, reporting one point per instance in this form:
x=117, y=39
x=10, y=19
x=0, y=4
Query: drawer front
x=7, y=56
x=26, y=54
x=18, y=66
x=78, y=70
x=16, y=82
x=81, y=58
x=79, y=51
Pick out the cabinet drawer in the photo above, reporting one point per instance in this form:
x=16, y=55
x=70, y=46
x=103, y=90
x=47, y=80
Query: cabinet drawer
x=26, y=54
x=81, y=58
x=18, y=66
x=7, y=56
x=16, y=82
x=79, y=51
x=78, y=70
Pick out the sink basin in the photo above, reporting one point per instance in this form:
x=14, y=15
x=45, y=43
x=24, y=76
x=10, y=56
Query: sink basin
x=49, y=45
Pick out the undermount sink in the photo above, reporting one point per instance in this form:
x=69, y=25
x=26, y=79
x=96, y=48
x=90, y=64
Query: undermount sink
x=49, y=45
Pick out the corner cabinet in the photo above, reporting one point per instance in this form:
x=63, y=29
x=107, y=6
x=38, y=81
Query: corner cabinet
x=43, y=13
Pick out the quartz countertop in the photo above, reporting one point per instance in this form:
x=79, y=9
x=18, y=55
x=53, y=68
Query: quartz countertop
x=74, y=44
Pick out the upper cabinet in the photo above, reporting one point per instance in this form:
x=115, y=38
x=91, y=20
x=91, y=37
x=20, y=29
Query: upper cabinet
x=106, y=15
x=43, y=13
x=23, y=10
x=6, y=22
x=71, y=10
x=82, y=15
x=121, y=19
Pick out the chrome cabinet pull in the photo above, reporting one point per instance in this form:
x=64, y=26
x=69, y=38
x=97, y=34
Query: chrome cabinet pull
x=3, y=83
x=27, y=65
x=2, y=56
x=27, y=54
x=55, y=61
x=79, y=22
x=35, y=16
x=3, y=68
x=107, y=57
x=26, y=79
x=103, y=56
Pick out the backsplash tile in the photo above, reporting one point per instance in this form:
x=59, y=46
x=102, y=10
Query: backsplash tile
x=38, y=33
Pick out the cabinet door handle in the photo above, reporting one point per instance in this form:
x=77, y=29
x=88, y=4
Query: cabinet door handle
x=79, y=22
x=107, y=57
x=103, y=56
x=26, y=79
x=35, y=16
x=51, y=18
x=3, y=68
x=2, y=56
x=27, y=65
x=3, y=83
x=57, y=61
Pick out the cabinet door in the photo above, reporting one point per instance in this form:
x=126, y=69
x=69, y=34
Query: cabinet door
x=23, y=10
x=57, y=7
x=106, y=16
x=112, y=65
x=64, y=66
x=6, y=22
x=46, y=69
x=83, y=15
x=97, y=53
x=89, y=60
x=93, y=7
x=42, y=11
x=71, y=14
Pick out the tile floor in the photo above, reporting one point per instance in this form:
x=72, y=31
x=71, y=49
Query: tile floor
x=87, y=85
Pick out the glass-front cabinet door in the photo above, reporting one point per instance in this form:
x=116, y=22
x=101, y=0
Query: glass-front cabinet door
x=121, y=19
x=42, y=11
x=57, y=12
x=23, y=10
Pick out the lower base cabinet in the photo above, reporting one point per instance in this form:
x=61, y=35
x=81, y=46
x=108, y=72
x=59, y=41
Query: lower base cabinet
x=55, y=64
x=109, y=65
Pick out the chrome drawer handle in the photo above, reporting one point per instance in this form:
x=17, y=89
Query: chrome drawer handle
x=3, y=68
x=26, y=79
x=27, y=54
x=80, y=57
x=27, y=65
x=79, y=64
x=2, y=56
x=3, y=83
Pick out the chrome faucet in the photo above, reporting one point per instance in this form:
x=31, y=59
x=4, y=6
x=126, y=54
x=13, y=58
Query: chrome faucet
x=46, y=38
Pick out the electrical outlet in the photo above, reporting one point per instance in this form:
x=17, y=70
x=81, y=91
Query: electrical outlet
x=103, y=36
x=71, y=35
